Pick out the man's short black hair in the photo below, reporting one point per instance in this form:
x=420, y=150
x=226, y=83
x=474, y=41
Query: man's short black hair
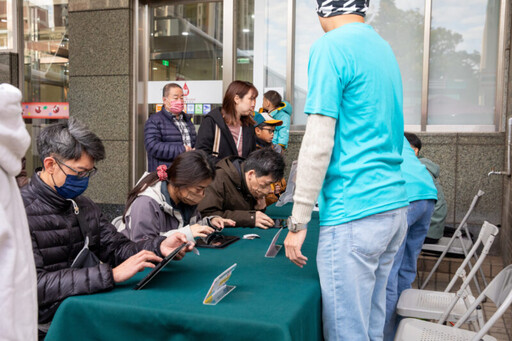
x=265, y=162
x=413, y=139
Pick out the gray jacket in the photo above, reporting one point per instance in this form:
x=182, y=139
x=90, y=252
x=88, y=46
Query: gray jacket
x=151, y=215
x=437, y=222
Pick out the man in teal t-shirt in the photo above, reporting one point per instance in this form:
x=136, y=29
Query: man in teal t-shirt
x=350, y=156
x=422, y=194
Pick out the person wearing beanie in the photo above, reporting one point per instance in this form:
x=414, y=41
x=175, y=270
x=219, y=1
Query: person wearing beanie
x=350, y=159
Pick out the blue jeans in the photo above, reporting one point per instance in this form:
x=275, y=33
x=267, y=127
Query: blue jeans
x=354, y=260
x=404, y=267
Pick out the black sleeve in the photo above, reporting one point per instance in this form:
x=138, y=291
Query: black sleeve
x=205, y=137
x=54, y=286
x=116, y=248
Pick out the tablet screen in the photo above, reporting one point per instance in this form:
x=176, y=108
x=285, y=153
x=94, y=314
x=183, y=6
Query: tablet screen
x=159, y=267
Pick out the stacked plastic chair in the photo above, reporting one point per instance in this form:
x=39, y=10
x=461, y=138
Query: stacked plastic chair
x=498, y=291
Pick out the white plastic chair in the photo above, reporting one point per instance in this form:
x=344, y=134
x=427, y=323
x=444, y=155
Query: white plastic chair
x=498, y=291
x=456, y=244
x=429, y=304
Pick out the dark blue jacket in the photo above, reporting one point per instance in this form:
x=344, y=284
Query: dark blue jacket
x=163, y=140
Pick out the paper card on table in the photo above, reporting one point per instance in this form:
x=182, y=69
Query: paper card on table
x=273, y=249
x=219, y=289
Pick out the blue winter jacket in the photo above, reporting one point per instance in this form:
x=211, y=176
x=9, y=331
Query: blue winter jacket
x=163, y=140
x=282, y=133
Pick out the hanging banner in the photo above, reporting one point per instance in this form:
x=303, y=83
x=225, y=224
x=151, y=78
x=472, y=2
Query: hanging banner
x=46, y=110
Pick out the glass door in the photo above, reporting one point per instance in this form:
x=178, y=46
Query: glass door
x=185, y=47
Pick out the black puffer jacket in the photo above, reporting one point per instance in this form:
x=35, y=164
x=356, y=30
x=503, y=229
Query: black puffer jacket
x=57, y=239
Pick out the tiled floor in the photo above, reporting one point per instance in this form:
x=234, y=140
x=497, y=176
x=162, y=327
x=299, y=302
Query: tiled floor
x=502, y=329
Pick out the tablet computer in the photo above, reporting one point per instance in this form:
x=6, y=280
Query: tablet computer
x=159, y=267
x=216, y=240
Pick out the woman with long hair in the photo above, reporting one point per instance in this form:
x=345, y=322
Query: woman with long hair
x=165, y=201
x=229, y=130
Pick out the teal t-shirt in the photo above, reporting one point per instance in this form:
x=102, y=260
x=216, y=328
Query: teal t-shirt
x=353, y=76
x=418, y=182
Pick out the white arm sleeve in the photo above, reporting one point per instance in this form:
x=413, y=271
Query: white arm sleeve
x=314, y=156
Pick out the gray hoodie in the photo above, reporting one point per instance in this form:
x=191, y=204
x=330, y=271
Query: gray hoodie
x=150, y=215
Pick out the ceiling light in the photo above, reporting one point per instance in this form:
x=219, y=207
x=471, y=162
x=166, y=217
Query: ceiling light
x=184, y=33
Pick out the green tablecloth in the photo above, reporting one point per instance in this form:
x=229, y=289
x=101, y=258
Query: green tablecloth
x=273, y=299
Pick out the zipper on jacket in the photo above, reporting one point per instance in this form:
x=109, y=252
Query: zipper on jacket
x=75, y=206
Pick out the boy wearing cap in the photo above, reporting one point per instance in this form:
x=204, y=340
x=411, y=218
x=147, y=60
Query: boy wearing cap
x=264, y=129
x=350, y=159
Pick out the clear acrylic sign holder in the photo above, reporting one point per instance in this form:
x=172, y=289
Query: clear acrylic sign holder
x=219, y=289
x=273, y=249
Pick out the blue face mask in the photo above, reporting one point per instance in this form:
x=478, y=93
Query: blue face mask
x=73, y=186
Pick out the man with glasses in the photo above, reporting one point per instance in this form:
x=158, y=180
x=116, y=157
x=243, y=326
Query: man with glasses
x=264, y=128
x=64, y=224
x=240, y=186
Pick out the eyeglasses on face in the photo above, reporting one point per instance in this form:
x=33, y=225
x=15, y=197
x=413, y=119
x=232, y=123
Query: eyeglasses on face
x=80, y=174
x=270, y=130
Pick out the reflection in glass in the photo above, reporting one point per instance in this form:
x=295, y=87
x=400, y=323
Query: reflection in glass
x=307, y=31
x=46, y=51
x=463, y=58
x=274, y=54
x=401, y=24
x=186, y=41
x=46, y=61
x=244, y=40
x=5, y=24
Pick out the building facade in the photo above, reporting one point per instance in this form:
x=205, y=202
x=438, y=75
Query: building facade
x=106, y=61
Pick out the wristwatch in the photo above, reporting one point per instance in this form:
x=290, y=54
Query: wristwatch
x=294, y=226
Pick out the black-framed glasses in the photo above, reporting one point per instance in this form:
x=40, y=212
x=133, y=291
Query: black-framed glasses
x=270, y=130
x=80, y=174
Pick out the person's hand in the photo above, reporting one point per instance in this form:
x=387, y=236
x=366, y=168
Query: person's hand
x=220, y=222
x=293, y=244
x=188, y=148
x=172, y=242
x=134, y=264
x=260, y=204
x=201, y=230
x=263, y=221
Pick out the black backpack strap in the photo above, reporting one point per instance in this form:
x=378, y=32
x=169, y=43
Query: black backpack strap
x=80, y=217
